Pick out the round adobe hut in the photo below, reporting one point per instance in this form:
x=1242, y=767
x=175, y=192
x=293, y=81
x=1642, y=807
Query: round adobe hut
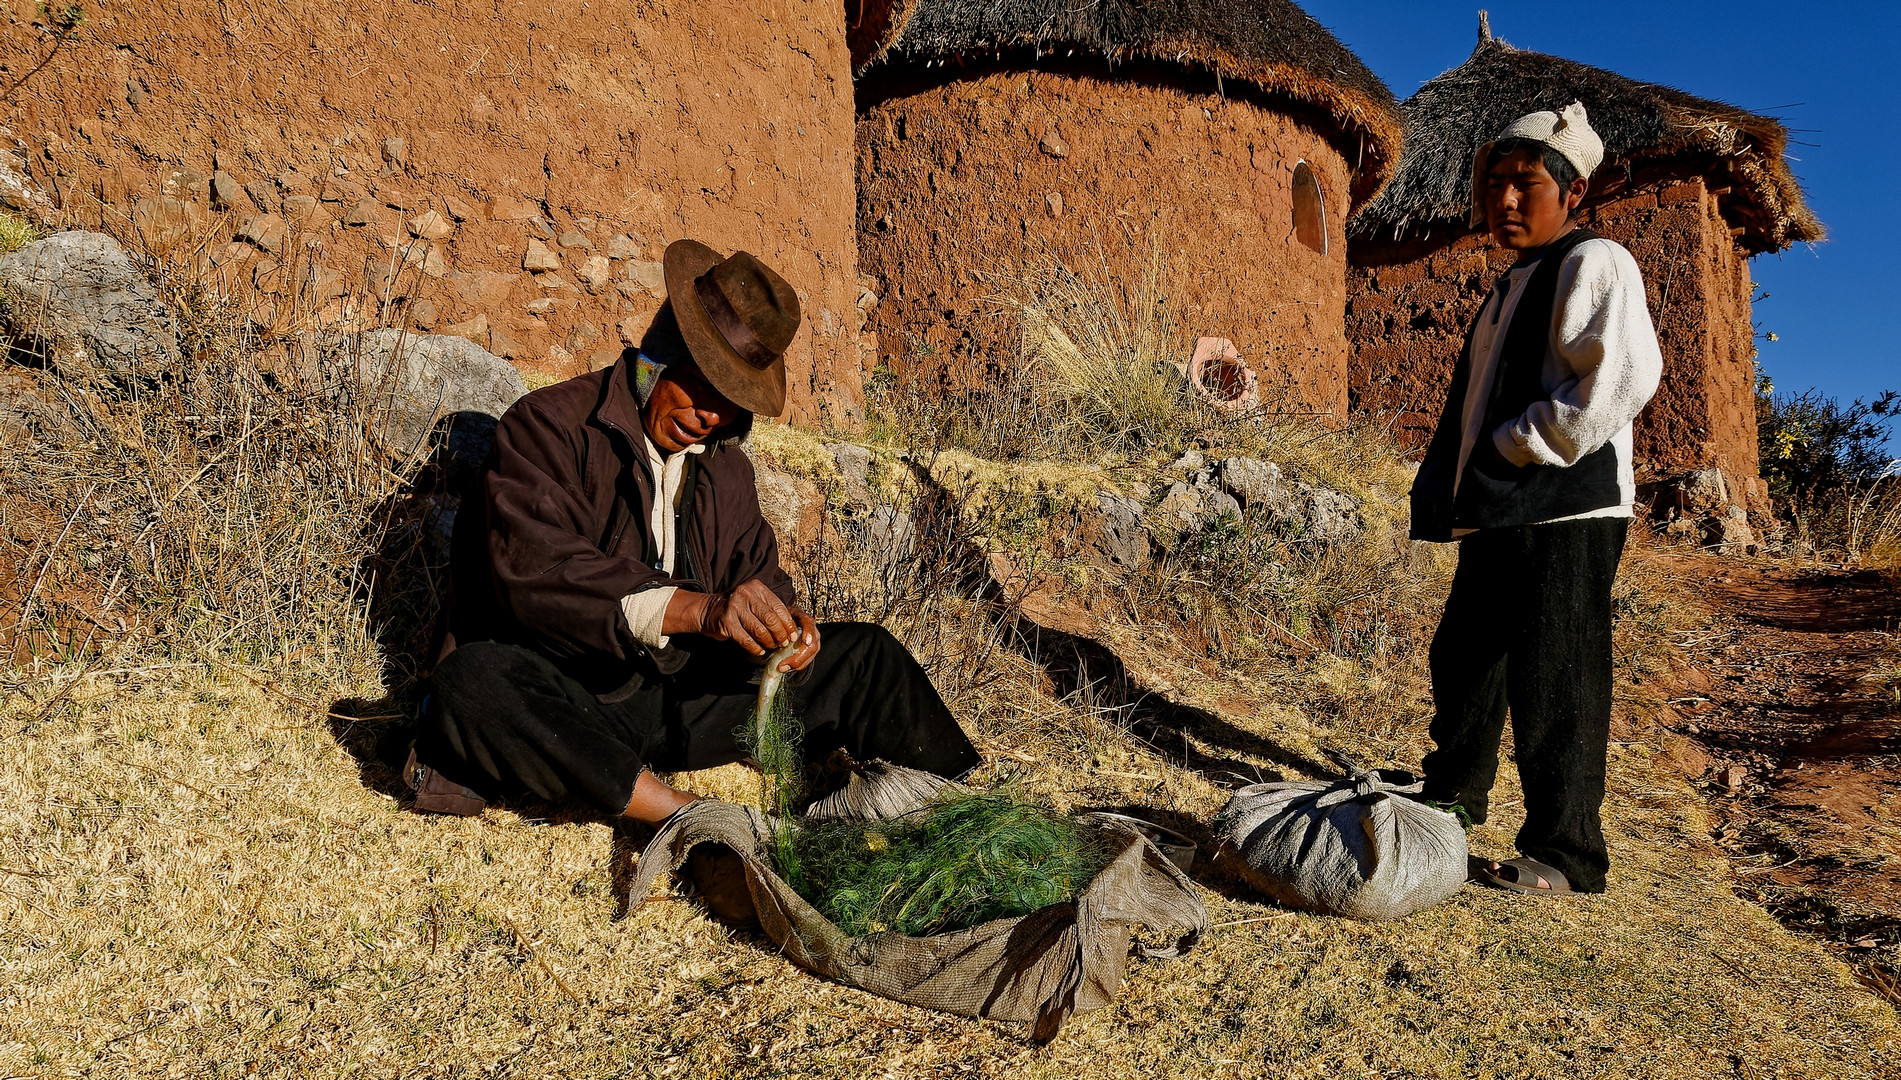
x=999, y=139
x=1692, y=187
x=508, y=173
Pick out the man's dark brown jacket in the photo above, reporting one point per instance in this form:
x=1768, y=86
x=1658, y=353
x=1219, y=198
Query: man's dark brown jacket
x=561, y=532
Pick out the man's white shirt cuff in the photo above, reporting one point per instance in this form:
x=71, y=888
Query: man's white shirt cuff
x=646, y=613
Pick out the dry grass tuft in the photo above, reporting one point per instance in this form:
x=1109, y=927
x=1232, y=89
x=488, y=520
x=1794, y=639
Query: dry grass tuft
x=225, y=506
x=16, y=232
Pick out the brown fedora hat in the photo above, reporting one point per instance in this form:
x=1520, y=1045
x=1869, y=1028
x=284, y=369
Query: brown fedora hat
x=738, y=318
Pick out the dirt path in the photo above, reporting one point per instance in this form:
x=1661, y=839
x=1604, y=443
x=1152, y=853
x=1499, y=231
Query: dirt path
x=1792, y=698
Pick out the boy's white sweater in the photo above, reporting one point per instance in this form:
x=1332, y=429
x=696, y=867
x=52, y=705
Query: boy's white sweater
x=1602, y=365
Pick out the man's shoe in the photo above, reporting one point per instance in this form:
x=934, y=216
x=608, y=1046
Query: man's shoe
x=436, y=793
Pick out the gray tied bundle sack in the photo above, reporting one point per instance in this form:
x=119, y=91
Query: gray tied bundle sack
x=1355, y=847
x=1037, y=969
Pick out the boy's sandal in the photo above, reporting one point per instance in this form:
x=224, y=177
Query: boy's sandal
x=1527, y=876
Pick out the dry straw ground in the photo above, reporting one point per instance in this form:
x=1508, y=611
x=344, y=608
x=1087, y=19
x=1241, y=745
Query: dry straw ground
x=206, y=868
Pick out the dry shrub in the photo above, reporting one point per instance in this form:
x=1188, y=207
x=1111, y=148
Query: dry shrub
x=231, y=505
x=16, y=232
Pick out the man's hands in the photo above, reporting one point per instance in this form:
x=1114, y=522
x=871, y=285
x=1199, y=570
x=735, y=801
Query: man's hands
x=750, y=615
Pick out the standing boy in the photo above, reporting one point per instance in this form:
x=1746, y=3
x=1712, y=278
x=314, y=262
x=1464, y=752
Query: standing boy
x=1530, y=469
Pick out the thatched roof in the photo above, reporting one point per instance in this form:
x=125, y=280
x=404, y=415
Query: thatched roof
x=1270, y=44
x=1647, y=130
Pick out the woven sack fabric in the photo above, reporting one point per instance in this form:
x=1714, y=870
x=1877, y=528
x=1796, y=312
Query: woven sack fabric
x=1038, y=968
x=1354, y=847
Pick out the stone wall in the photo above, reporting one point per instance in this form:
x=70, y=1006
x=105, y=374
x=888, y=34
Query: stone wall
x=1409, y=308
x=992, y=175
x=509, y=173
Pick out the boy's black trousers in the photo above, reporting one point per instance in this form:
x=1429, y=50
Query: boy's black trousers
x=504, y=720
x=1528, y=626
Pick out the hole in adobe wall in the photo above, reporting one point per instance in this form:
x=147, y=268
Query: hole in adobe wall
x=1310, y=213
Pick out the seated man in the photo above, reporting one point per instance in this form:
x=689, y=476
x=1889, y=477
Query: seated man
x=617, y=587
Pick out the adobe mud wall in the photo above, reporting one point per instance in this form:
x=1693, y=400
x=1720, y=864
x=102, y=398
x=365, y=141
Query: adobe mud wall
x=510, y=172
x=1011, y=171
x=1409, y=310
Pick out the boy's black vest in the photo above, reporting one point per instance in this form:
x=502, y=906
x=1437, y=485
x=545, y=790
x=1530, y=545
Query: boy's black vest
x=1493, y=492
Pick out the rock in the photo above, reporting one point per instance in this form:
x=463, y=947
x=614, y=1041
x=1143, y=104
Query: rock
x=300, y=211
x=419, y=378
x=854, y=472
x=649, y=277
x=432, y=264
x=575, y=238
x=632, y=328
x=1304, y=512
x=475, y=329
x=1322, y=515
x=164, y=221
x=225, y=191
x=341, y=192
x=1733, y=777
x=482, y=288
x=622, y=246
x=398, y=199
x=364, y=212
x=509, y=208
x=233, y=252
x=16, y=191
x=1054, y=145
x=1181, y=508
x=892, y=536
x=1255, y=483
x=1219, y=505
x=189, y=183
x=1189, y=461
x=265, y=231
x=76, y=297
x=538, y=258
x=459, y=211
x=867, y=299
x=595, y=272
x=554, y=281
x=430, y=225
x=423, y=314
x=393, y=151
x=1729, y=532
x=794, y=507
x=1703, y=491
x=505, y=346
x=1117, y=533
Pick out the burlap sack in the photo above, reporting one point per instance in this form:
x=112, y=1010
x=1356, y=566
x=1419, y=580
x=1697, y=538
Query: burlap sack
x=1038, y=969
x=1354, y=847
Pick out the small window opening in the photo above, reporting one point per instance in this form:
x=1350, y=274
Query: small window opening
x=1310, y=212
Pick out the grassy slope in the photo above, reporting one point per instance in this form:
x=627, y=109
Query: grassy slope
x=195, y=881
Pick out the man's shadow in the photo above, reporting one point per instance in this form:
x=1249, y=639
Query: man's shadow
x=407, y=579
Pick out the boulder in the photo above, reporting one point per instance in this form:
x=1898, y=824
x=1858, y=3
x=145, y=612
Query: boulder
x=76, y=299
x=1304, y=512
x=413, y=380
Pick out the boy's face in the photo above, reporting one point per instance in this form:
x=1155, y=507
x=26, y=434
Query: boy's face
x=1524, y=206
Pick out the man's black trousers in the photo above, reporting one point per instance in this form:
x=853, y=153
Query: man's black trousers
x=1528, y=624
x=504, y=720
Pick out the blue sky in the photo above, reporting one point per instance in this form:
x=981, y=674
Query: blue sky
x=1835, y=306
